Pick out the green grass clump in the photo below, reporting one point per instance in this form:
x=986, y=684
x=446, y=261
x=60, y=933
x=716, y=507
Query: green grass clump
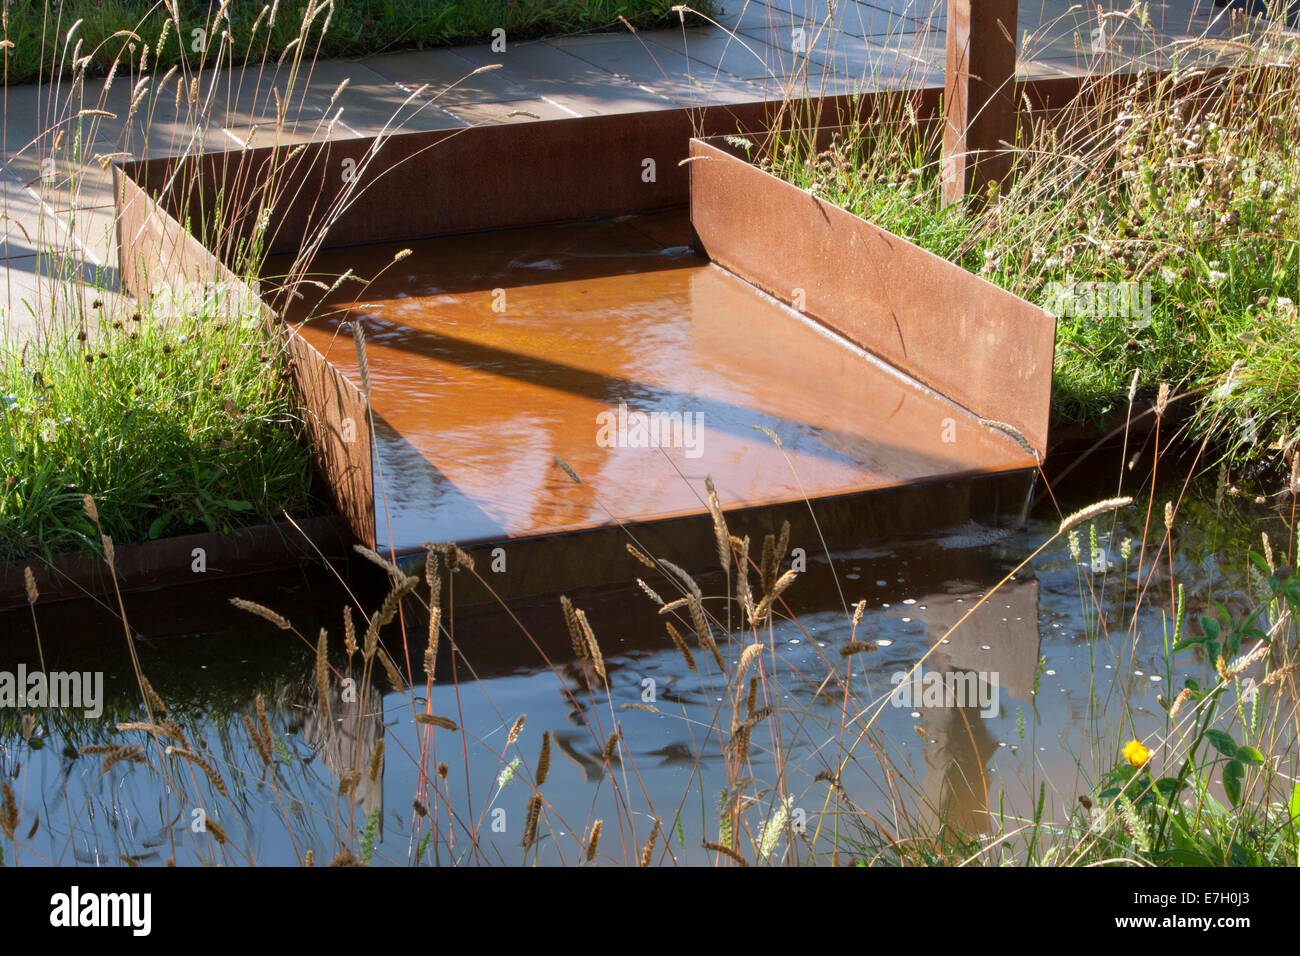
x=355, y=28
x=171, y=427
x=1188, y=201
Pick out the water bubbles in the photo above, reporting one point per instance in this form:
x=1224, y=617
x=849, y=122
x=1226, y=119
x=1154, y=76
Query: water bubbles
x=1050, y=672
x=884, y=642
x=910, y=601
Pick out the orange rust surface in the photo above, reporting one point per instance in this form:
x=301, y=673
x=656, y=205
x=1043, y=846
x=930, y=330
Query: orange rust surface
x=493, y=354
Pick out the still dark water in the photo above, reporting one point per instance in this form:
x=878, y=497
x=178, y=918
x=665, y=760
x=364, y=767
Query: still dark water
x=1073, y=683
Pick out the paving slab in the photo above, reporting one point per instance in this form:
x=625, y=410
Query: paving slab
x=741, y=55
x=161, y=116
x=686, y=81
x=510, y=111
x=566, y=79
x=731, y=15
x=863, y=20
x=450, y=79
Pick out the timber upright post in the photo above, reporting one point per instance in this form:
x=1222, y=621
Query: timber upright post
x=979, y=96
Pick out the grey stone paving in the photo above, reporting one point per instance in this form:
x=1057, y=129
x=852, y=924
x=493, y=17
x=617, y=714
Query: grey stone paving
x=56, y=236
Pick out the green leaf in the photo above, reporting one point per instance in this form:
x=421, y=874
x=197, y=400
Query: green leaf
x=1210, y=627
x=1233, y=773
x=1261, y=566
x=159, y=525
x=1223, y=743
x=1249, y=754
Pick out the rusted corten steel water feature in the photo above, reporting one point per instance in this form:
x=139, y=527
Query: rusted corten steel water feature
x=565, y=279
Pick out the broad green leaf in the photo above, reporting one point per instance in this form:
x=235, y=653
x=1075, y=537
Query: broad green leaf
x=1249, y=754
x=1233, y=773
x=1222, y=742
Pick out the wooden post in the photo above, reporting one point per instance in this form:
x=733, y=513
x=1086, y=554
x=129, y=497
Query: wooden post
x=980, y=96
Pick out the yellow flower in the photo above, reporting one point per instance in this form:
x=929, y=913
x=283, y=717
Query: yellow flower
x=1136, y=754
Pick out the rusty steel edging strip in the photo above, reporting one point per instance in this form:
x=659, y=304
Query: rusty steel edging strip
x=552, y=563
x=171, y=561
x=991, y=352
x=414, y=185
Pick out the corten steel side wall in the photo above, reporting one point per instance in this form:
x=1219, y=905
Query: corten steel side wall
x=546, y=564
x=415, y=185
x=169, y=562
x=156, y=251
x=988, y=350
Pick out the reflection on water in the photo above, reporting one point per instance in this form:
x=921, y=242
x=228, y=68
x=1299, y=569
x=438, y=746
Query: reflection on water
x=1062, y=678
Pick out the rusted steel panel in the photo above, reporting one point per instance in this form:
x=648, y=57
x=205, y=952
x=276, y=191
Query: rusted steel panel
x=338, y=423
x=549, y=564
x=432, y=183
x=980, y=101
x=412, y=185
x=157, y=256
x=986, y=349
x=171, y=561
